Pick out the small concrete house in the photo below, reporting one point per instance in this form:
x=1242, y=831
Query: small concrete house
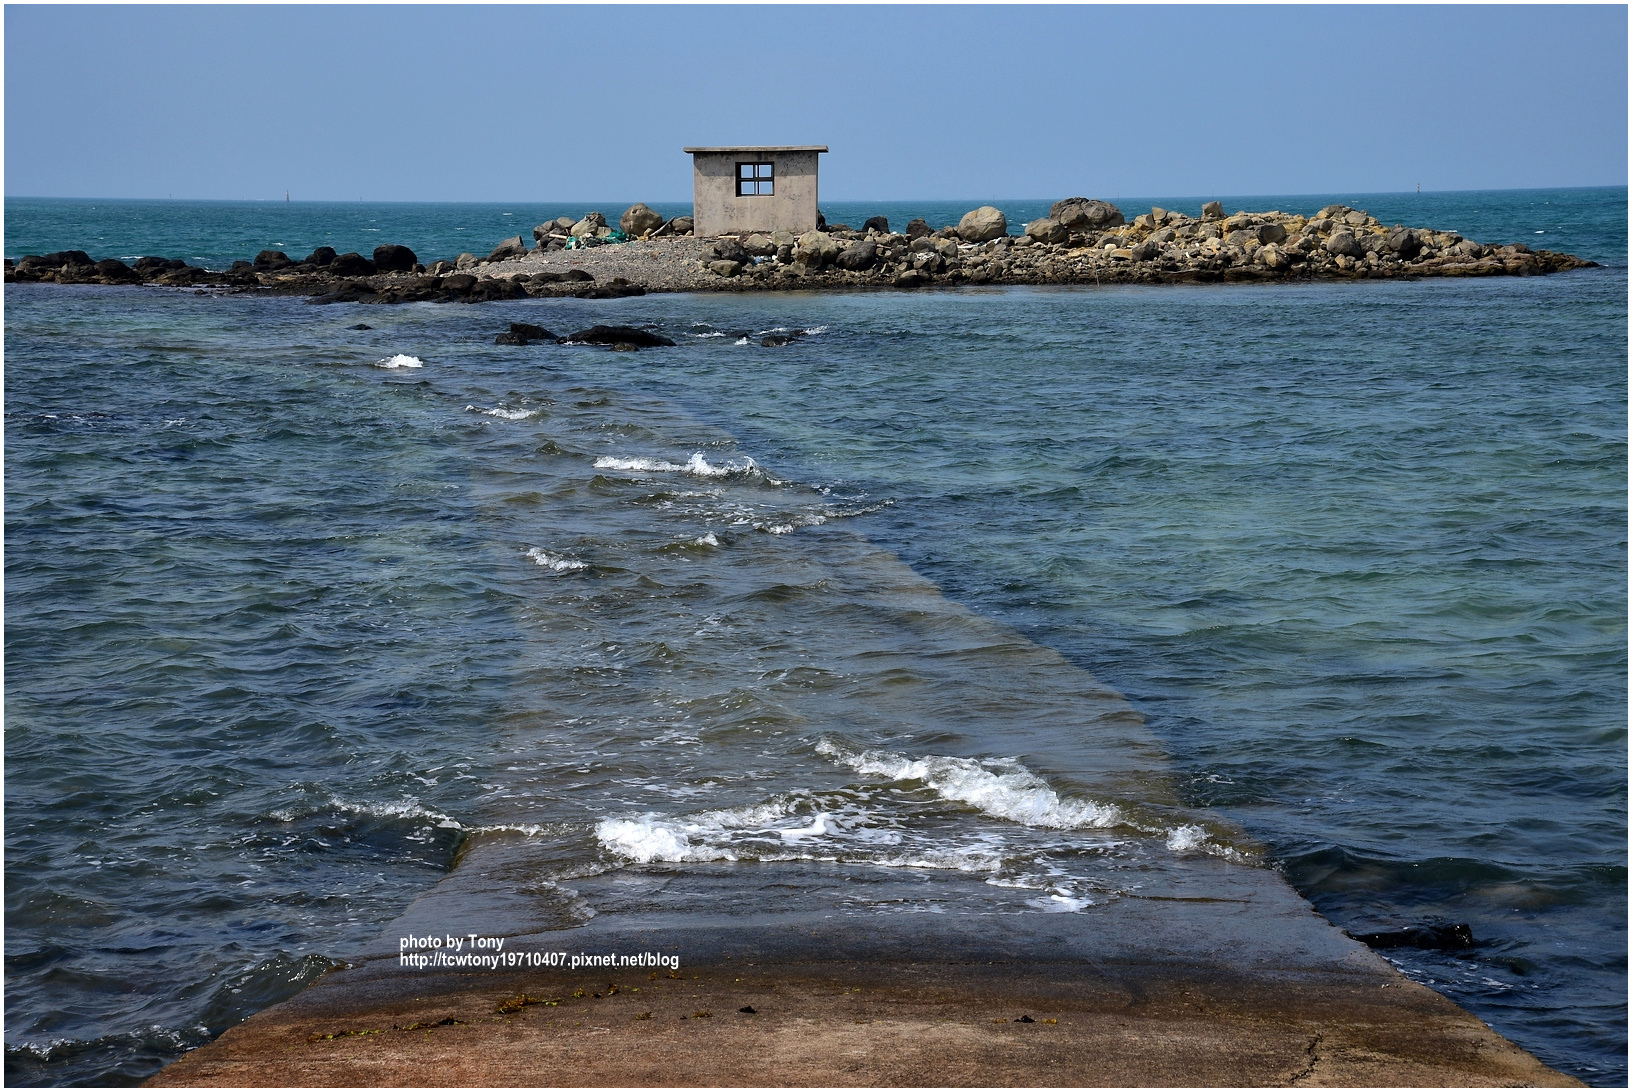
x=738, y=190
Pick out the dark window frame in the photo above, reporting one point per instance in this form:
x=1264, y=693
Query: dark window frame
x=759, y=181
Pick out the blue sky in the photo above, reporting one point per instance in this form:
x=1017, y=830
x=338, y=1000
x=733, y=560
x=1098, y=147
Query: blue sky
x=560, y=103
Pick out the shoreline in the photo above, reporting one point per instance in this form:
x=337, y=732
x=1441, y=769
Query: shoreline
x=1229, y=978
x=1083, y=243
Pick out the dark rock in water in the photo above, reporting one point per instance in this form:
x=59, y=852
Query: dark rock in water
x=392, y=258
x=610, y=292
x=59, y=258
x=458, y=282
x=272, y=259
x=513, y=247
x=531, y=332
x=351, y=264
x=241, y=266
x=615, y=335
x=776, y=341
x=880, y=224
x=153, y=267
x=495, y=288
x=730, y=250
x=1436, y=936
x=919, y=228
x=625, y=347
x=114, y=270
x=857, y=256
x=360, y=326
x=323, y=255
x=508, y=338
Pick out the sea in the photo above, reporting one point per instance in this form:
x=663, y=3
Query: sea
x=299, y=599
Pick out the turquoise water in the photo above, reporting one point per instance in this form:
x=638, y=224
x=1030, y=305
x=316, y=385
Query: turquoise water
x=285, y=626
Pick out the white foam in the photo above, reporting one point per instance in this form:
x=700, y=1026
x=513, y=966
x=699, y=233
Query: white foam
x=697, y=465
x=554, y=563
x=1008, y=791
x=707, y=540
x=505, y=414
x=401, y=360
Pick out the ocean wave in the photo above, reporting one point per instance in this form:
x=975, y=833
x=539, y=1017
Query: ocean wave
x=505, y=414
x=400, y=360
x=554, y=562
x=1001, y=788
x=697, y=465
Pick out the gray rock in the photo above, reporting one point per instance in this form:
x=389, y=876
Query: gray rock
x=1213, y=210
x=1404, y=242
x=1083, y=215
x=590, y=225
x=725, y=268
x=1241, y=237
x=513, y=247
x=760, y=246
x=1355, y=218
x=681, y=225
x=1146, y=250
x=946, y=248
x=1343, y=243
x=1273, y=257
x=816, y=249
x=465, y=261
x=879, y=224
x=638, y=219
x=730, y=250
x=857, y=256
x=1271, y=233
x=979, y=225
x=917, y=229
x=1047, y=230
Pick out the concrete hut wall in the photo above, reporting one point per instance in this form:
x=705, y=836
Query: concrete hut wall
x=719, y=211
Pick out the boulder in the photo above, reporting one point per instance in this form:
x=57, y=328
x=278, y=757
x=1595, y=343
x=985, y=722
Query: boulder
x=681, y=225
x=1242, y=237
x=1273, y=257
x=1404, y=242
x=513, y=247
x=730, y=250
x=458, y=282
x=1082, y=215
x=619, y=335
x=1146, y=251
x=114, y=270
x=437, y=269
x=760, y=246
x=1271, y=233
x=917, y=229
x=912, y=278
x=271, y=259
x=1343, y=243
x=509, y=338
x=639, y=219
x=351, y=264
x=724, y=268
x=979, y=225
x=857, y=256
x=1213, y=210
x=816, y=249
x=531, y=331
x=1355, y=218
x=590, y=225
x=467, y=260
x=323, y=255
x=1047, y=230
x=879, y=224
x=392, y=258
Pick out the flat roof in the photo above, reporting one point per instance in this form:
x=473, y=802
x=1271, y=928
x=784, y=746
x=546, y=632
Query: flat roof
x=761, y=148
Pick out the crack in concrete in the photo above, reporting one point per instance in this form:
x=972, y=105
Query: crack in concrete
x=1314, y=1060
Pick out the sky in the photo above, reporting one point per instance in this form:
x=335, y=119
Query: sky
x=558, y=103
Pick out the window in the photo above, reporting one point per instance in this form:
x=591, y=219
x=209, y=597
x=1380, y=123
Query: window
x=754, y=180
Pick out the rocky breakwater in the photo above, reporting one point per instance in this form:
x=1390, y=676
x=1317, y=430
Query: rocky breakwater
x=393, y=274
x=1085, y=241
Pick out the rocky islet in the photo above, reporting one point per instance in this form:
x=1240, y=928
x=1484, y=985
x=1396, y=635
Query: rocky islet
x=1080, y=241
